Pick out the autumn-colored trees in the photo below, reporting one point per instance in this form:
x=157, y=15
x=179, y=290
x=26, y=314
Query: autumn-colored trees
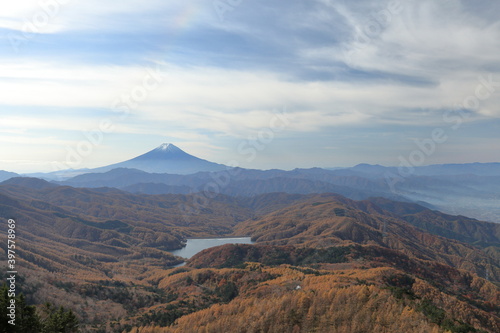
x=292, y=299
x=321, y=263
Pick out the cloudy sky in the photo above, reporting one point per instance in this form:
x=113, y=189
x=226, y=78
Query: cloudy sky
x=268, y=84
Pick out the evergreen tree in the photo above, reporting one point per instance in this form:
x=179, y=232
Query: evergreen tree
x=58, y=320
x=27, y=320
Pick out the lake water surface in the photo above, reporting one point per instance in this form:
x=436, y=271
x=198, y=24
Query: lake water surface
x=195, y=245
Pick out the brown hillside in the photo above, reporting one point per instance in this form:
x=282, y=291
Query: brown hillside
x=326, y=221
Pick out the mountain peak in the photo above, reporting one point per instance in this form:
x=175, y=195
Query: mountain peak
x=167, y=147
x=166, y=158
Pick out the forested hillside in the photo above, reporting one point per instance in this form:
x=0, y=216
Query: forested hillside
x=321, y=262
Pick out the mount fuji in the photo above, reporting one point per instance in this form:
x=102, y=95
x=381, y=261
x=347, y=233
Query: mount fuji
x=167, y=158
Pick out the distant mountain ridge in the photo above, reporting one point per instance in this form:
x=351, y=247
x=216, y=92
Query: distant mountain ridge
x=170, y=159
x=462, y=190
x=471, y=189
x=30, y=182
x=4, y=175
x=481, y=169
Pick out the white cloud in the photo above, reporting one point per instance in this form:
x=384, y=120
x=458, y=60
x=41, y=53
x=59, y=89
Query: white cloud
x=53, y=16
x=62, y=85
x=444, y=47
x=428, y=58
x=227, y=102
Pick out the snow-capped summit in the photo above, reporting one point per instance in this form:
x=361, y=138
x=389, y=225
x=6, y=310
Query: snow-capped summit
x=166, y=158
x=167, y=147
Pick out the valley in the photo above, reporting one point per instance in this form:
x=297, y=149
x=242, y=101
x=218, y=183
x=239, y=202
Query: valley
x=110, y=247
x=91, y=249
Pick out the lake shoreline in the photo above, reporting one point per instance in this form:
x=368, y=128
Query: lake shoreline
x=220, y=237
x=196, y=245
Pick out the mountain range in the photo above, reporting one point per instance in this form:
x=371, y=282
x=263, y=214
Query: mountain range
x=104, y=253
x=365, y=249
x=469, y=189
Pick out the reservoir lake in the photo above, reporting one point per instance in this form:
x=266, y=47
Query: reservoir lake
x=195, y=245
